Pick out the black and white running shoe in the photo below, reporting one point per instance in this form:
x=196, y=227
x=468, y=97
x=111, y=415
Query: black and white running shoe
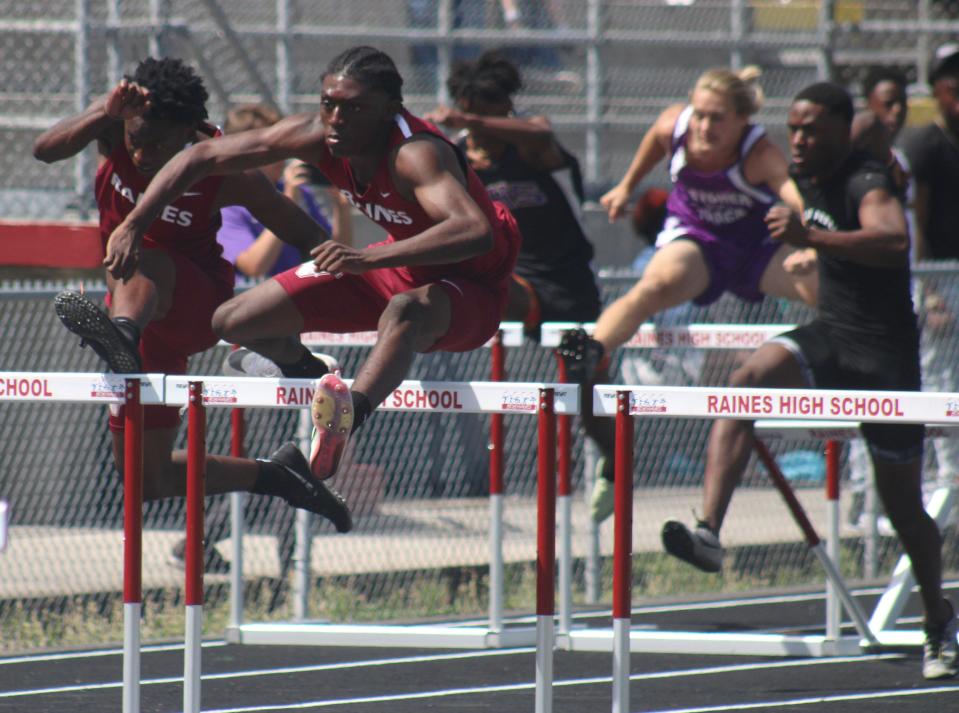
x=302, y=490
x=699, y=547
x=244, y=362
x=82, y=317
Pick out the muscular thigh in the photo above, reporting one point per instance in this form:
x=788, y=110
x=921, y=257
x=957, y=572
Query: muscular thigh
x=473, y=315
x=679, y=268
x=345, y=303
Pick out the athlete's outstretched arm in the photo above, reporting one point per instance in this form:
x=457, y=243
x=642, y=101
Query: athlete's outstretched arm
x=425, y=170
x=276, y=212
x=102, y=122
x=652, y=149
x=294, y=136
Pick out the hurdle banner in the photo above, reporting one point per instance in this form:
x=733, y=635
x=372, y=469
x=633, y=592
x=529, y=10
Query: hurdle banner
x=697, y=336
x=512, y=336
x=799, y=404
x=411, y=396
x=79, y=387
x=844, y=408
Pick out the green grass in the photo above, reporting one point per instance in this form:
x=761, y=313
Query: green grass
x=93, y=620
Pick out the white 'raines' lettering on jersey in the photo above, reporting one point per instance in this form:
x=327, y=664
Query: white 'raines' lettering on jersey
x=170, y=214
x=377, y=212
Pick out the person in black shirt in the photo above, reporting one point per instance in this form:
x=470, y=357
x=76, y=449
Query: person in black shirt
x=523, y=166
x=933, y=152
x=865, y=336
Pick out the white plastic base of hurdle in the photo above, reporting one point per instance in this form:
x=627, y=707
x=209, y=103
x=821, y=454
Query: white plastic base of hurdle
x=621, y=651
x=131, y=657
x=422, y=636
x=718, y=643
x=191, y=658
x=545, y=642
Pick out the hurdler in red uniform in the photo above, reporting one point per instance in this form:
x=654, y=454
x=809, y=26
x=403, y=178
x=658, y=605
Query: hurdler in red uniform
x=476, y=287
x=165, y=283
x=438, y=282
x=186, y=234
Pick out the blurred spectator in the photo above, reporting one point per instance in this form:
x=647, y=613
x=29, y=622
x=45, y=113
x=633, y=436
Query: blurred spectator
x=254, y=250
x=482, y=14
x=933, y=153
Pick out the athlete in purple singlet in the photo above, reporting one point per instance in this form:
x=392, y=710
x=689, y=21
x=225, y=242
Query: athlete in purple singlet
x=726, y=175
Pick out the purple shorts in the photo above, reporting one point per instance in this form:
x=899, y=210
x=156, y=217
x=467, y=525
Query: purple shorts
x=733, y=266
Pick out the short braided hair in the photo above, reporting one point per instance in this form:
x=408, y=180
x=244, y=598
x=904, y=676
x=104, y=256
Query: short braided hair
x=368, y=66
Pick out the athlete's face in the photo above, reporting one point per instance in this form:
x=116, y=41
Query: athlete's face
x=888, y=102
x=356, y=116
x=817, y=139
x=153, y=142
x=946, y=92
x=714, y=123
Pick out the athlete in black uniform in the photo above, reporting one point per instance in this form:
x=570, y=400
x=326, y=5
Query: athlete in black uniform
x=864, y=337
x=523, y=166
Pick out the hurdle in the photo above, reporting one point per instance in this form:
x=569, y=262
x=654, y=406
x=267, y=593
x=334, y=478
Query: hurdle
x=648, y=336
x=508, y=335
x=421, y=396
x=752, y=404
x=133, y=392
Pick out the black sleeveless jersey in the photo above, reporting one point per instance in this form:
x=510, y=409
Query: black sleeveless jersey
x=555, y=254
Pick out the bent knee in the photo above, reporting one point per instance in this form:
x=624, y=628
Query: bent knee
x=224, y=321
x=405, y=308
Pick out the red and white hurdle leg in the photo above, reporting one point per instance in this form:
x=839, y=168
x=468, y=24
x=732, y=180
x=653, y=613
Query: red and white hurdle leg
x=196, y=462
x=132, y=543
x=545, y=551
x=622, y=553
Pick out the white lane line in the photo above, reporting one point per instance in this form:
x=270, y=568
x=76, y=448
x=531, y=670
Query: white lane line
x=871, y=695
x=483, y=690
x=273, y=671
x=69, y=655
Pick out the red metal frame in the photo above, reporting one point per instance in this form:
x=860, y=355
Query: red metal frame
x=132, y=494
x=623, y=510
x=196, y=467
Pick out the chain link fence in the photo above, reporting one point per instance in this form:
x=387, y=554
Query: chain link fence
x=417, y=482
x=602, y=70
